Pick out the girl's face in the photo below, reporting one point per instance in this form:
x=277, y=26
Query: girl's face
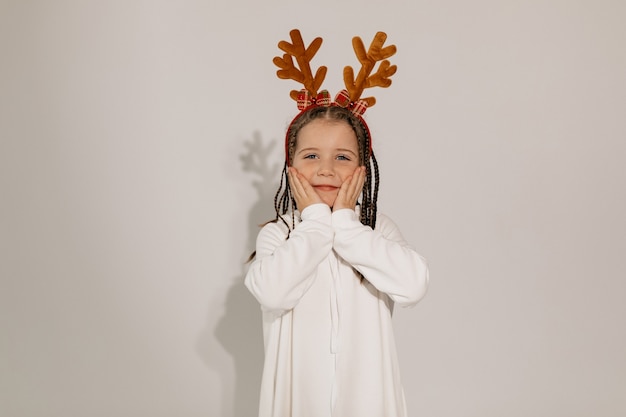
x=326, y=153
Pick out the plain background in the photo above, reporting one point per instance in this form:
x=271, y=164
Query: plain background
x=139, y=142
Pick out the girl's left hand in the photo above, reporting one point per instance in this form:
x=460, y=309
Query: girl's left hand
x=350, y=190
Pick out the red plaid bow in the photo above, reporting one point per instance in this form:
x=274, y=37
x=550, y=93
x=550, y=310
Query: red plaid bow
x=343, y=99
x=305, y=99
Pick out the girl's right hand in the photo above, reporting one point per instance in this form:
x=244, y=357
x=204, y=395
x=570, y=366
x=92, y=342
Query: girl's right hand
x=301, y=189
x=350, y=190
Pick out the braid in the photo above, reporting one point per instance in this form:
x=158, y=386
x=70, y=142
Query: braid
x=284, y=202
x=372, y=178
x=281, y=200
x=367, y=195
x=280, y=186
x=374, y=205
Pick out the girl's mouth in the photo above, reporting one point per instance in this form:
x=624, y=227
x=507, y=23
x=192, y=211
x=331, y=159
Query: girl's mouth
x=325, y=187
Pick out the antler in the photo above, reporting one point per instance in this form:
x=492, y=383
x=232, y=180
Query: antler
x=368, y=60
x=303, y=56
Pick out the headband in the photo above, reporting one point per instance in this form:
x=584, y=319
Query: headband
x=350, y=97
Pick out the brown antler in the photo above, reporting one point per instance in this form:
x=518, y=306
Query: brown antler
x=303, y=57
x=368, y=60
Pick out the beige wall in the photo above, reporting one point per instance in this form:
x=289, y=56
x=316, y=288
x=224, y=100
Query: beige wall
x=127, y=214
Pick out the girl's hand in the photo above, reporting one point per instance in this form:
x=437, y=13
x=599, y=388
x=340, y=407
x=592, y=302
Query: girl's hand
x=350, y=190
x=301, y=189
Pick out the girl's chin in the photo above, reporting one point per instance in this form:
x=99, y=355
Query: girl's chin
x=329, y=200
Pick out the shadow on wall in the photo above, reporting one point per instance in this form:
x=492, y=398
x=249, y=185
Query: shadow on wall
x=239, y=331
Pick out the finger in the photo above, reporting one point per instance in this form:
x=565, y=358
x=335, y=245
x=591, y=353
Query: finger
x=306, y=185
x=295, y=184
x=302, y=191
x=344, y=190
x=360, y=182
x=292, y=180
x=306, y=189
x=356, y=185
x=343, y=195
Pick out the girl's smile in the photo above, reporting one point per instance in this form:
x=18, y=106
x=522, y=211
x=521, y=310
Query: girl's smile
x=325, y=187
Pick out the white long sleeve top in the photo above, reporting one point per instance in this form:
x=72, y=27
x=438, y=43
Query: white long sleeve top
x=329, y=344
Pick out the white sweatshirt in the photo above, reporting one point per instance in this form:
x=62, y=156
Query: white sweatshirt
x=329, y=344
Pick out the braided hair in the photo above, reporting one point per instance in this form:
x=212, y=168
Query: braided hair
x=284, y=201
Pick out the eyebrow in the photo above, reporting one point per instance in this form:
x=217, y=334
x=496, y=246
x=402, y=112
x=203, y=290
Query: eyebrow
x=345, y=150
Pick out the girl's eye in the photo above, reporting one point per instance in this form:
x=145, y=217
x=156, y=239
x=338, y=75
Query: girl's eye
x=343, y=158
x=310, y=156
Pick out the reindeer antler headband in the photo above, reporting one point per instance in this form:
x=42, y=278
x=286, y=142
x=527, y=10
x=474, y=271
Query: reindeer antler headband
x=351, y=96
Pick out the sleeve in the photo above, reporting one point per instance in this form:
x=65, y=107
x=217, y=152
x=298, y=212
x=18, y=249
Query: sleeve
x=283, y=270
x=382, y=256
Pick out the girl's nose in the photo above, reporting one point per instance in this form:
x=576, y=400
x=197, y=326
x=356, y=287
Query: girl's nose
x=326, y=169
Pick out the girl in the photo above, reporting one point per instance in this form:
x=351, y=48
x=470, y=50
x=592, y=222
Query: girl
x=327, y=273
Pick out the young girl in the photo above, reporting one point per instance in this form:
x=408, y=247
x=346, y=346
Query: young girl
x=327, y=274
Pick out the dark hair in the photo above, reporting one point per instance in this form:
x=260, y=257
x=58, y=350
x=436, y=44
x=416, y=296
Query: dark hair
x=284, y=201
